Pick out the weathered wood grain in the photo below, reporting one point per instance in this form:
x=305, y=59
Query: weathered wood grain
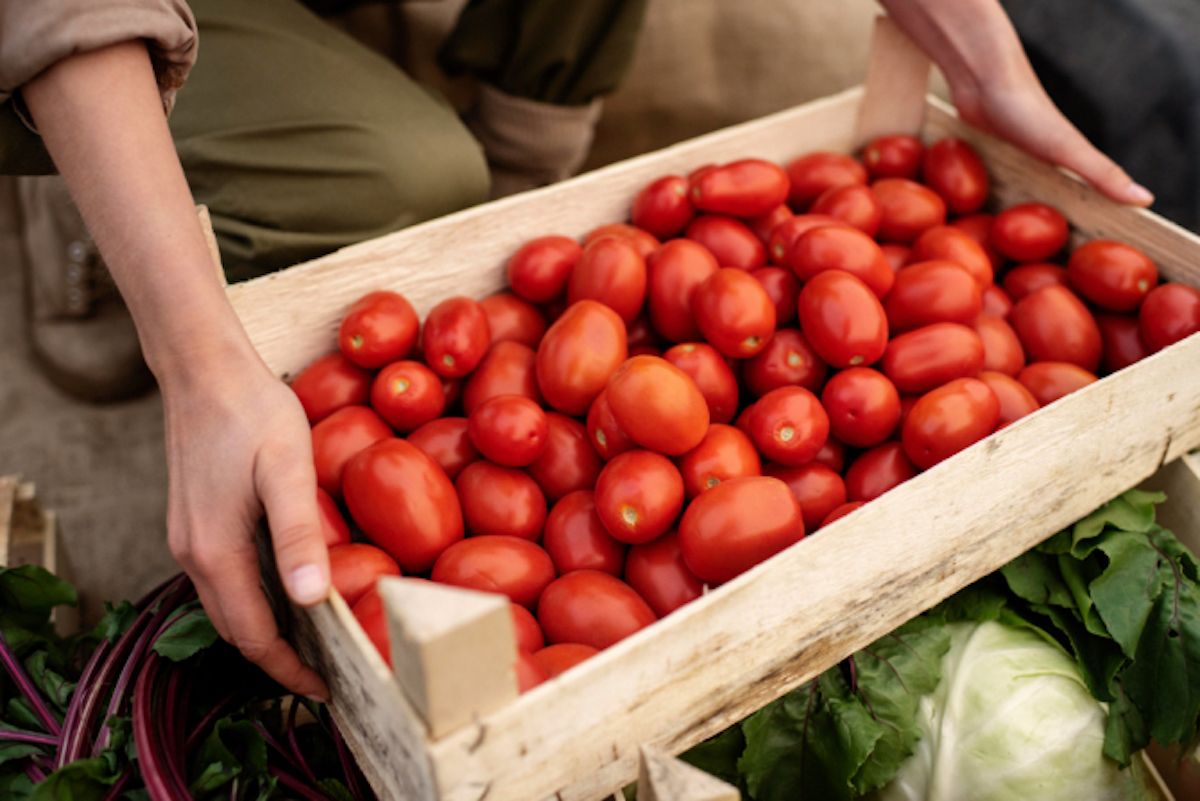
x=895, y=87
x=662, y=777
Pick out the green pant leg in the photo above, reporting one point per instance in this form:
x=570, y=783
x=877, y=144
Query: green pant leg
x=300, y=140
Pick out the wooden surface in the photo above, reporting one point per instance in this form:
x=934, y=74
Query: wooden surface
x=1180, y=480
x=662, y=777
x=895, y=87
x=8, y=496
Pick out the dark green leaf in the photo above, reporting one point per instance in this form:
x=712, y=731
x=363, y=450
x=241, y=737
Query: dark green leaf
x=335, y=790
x=116, y=621
x=54, y=687
x=1132, y=511
x=83, y=780
x=1098, y=658
x=232, y=749
x=1034, y=577
x=34, y=589
x=1077, y=575
x=18, y=713
x=978, y=602
x=1125, y=731
x=187, y=636
x=11, y=751
x=719, y=755
x=15, y=787
x=1125, y=593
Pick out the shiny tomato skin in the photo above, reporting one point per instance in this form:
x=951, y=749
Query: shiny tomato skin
x=644, y=241
x=568, y=462
x=897, y=255
x=841, y=511
x=711, y=374
x=576, y=539
x=833, y=453
x=591, y=608
x=334, y=530
x=1054, y=326
x=339, y=438
x=446, y=441
x=764, y=224
x=407, y=395
x=612, y=272
x=789, y=425
x=745, y=188
x=355, y=567
x=511, y=566
x=782, y=288
x=500, y=500
x=403, y=502
x=579, y=353
x=843, y=320
x=878, y=470
x=730, y=240
x=330, y=383
x=525, y=626
x=979, y=228
x=529, y=673
x=638, y=496
x=1030, y=232
x=953, y=169
x=370, y=615
x=1168, y=314
x=657, y=572
x=539, y=270
x=604, y=432
x=937, y=291
x=948, y=419
x=863, y=406
x=814, y=173
x=1121, y=341
x=556, y=659
x=511, y=319
x=1025, y=279
x=724, y=453
x=927, y=357
x=509, y=368
x=996, y=302
x=455, y=337
x=734, y=313
x=854, y=204
x=662, y=207
x=381, y=327
x=1002, y=351
x=658, y=405
x=788, y=231
x=909, y=209
x=510, y=430
x=737, y=524
x=1112, y=275
x=894, y=156
x=841, y=248
x=674, y=272
x=818, y=488
x=1015, y=400
x=949, y=243
x=787, y=360
x=1049, y=381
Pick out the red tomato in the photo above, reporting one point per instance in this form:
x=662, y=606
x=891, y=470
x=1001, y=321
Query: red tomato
x=591, y=608
x=842, y=248
x=907, y=402
x=380, y=327
x=814, y=173
x=638, y=496
x=745, y=188
x=853, y=204
x=949, y=419
x=452, y=388
x=644, y=241
x=782, y=288
x=1015, y=400
x=1024, y=279
x=510, y=430
x=662, y=207
x=841, y=511
x=833, y=453
x=1049, y=381
x=817, y=488
x=1168, y=314
x=500, y=500
x=737, y=524
x=369, y=614
x=996, y=302
x=979, y=228
x=734, y=313
x=455, y=337
x=675, y=271
x=896, y=156
x=333, y=526
x=510, y=566
x=897, y=255
x=787, y=360
x=657, y=572
x=933, y=355
x=724, y=453
x=863, y=406
x=529, y=673
x=604, y=432
x=539, y=270
x=788, y=231
x=338, y=438
x=1121, y=342
x=1055, y=326
x=403, y=502
x=556, y=659
x=711, y=374
x=1029, y=232
x=730, y=240
x=407, y=395
x=949, y=243
x=355, y=567
x=511, y=319
x=1113, y=275
x=612, y=272
x=908, y=209
x=578, y=355
x=445, y=440
x=878, y=470
x=525, y=626
x=843, y=320
x=577, y=540
x=509, y=368
x=1002, y=351
x=330, y=383
x=953, y=169
x=789, y=425
x=640, y=334
x=932, y=292
x=658, y=405
x=568, y=462
x=764, y=224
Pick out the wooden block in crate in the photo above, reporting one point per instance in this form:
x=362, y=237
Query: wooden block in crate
x=29, y=536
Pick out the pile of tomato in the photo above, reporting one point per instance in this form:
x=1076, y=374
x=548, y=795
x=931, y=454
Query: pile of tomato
x=657, y=409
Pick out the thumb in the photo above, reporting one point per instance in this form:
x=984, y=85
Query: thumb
x=287, y=487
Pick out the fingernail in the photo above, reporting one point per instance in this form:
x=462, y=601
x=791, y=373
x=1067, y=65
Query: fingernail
x=308, y=585
x=319, y=698
x=1139, y=194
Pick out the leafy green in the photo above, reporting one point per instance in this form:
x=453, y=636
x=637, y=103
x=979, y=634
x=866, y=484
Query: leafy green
x=116, y=620
x=82, y=780
x=232, y=750
x=187, y=636
x=719, y=755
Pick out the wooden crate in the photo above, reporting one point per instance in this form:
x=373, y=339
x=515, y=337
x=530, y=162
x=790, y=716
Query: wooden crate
x=29, y=536
x=732, y=651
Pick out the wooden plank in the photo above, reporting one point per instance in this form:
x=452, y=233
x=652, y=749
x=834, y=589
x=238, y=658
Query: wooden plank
x=896, y=84
x=8, y=496
x=662, y=777
x=1180, y=480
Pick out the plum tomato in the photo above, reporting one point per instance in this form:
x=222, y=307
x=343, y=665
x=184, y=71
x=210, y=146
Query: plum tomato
x=612, y=272
x=657, y=572
x=1054, y=326
x=455, y=337
x=330, y=383
x=843, y=320
x=539, y=270
x=577, y=540
x=863, y=406
x=896, y=254
x=737, y=524
x=674, y=272
x=407, y=395
x=782, y=288
x=528, y=672
x=510, y=430
x=764, y=224
x=638, y=496
x=734, y=313
x=355, y=567
x=787, y=360
x=949, y=243
x=644, y=241
x=579, y=353
x=909, y=209
x=788, y=231
x=658, y=405
x=1024, y=279
x=500, y=500
x=818, y=488
x=842, y=248
x=591, y=608
x=662, y=207
x=878, y=470
x=711, y=374
x=1121, y=341
x=1030, y=232
x=789, y=425
x=568, y=462
x=370, y=615
x=339, y=438
x=730, y=240
x=996, y=302
x=445, y=440
x=511, y=566
x=724, y=453
x=842, y=511
x=894, y=156
x=403, y=502
x=745, y=188
x=979, y=228
x=853, y=204
x=556, y=659
x=937, y=291
x=932, y=355
x=1015, y=400
x=948, y=419
x=814, y=173
x=509, y=368
x=1049, y=381
x=1168, y=314
x=334, y=530
x=525, y=626
x=1002, y=351
x=1112, y=275
x=604, y=432
x=833, y=453
x=511, y=319
x=953, y=169
x=381, y=327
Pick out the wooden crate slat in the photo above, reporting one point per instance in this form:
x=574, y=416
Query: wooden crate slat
x=662, y=777
x=894, y=90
